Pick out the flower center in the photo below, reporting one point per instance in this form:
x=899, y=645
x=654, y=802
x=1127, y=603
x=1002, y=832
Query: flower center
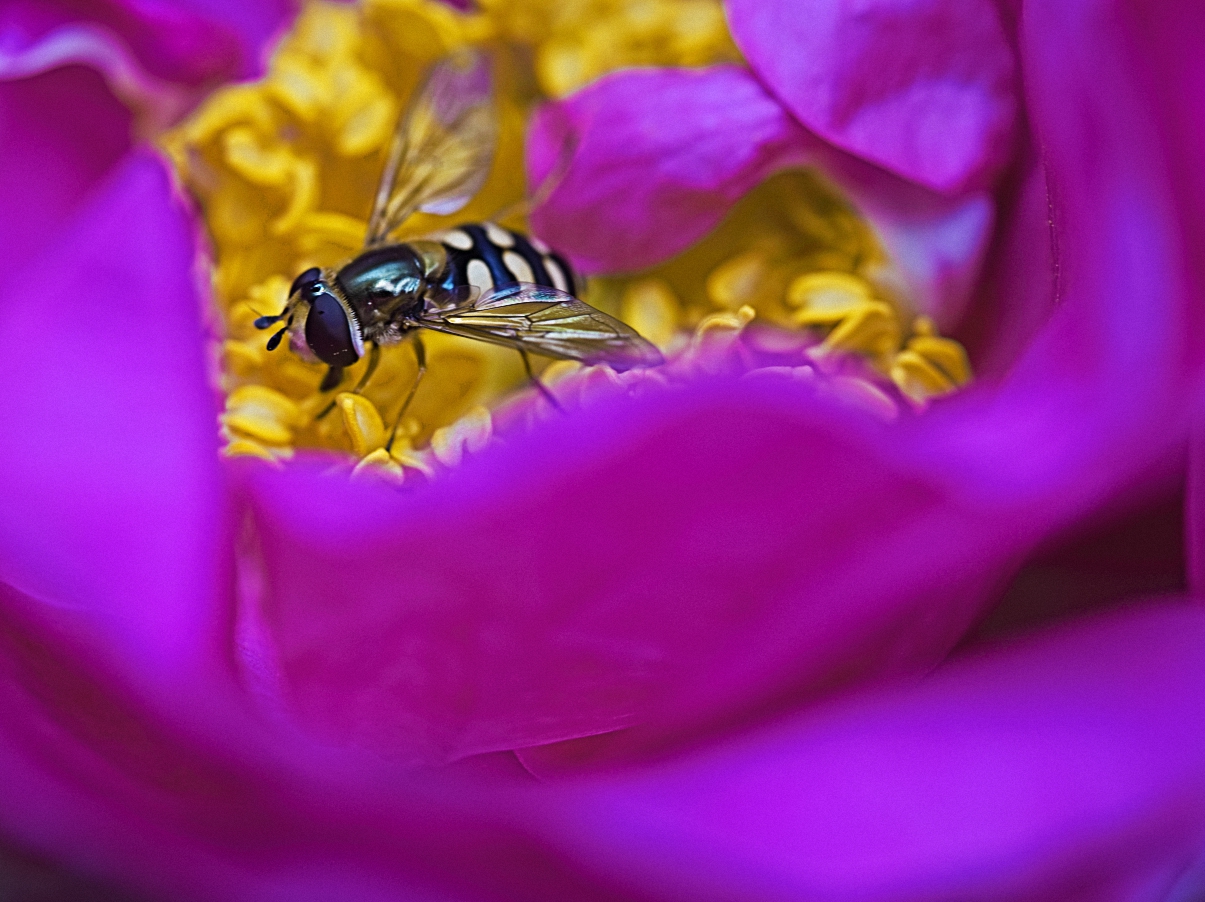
x=285, y=170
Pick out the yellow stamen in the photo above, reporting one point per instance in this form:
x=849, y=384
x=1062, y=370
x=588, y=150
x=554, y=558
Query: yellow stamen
x=364, y=425
x=241, y=447
x=918, y=378
x=469, y=434
x=826, y=298
x=947, y=355
x=650, y=307
x=381, y=465
x=261, y=413
x=738, y=280
x=871, y=329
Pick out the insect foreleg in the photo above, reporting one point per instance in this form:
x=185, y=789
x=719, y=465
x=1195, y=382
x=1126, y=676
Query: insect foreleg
x=420, y=357
x=374, y=357
x=332, y=379
x=540, y=386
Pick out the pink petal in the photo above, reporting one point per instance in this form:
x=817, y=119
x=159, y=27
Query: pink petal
x=108, y=477
x=937, y=244
x=1015, y=297
x=250, y=29
x=77, y=79
x=615, y=568
x=1068, y=766
x=1131, y=548
x=48, y=164
x=660, y=156
x=924, y=88
x=1124, y=348
x=1194, y=513
x=195, y=42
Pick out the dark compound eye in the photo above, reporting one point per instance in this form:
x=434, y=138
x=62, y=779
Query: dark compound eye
x=328, y=331
x=306, y=279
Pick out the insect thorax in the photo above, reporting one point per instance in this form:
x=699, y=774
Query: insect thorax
x=385, y=287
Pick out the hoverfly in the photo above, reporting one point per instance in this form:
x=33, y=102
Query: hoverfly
x=478, y=281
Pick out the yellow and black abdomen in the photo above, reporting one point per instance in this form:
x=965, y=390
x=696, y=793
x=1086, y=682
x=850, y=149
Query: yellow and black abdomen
x=485, y=255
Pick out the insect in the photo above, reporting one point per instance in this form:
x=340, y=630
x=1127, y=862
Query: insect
x=478, y=281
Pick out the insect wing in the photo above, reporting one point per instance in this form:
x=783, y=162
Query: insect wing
x=442, y=148
x=546, y=321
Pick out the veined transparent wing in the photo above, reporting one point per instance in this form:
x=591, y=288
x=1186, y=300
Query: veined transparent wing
x=443, y=146
x=545, y=321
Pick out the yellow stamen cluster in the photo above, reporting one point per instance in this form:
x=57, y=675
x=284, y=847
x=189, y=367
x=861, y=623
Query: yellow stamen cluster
x=285, y=169
x=794, y=252
x=576, y=42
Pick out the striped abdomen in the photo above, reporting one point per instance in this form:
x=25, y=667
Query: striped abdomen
x=486, y=255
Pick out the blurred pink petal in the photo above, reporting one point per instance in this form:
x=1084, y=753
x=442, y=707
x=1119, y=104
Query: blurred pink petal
x=1015, y=294
x=1067, y=766
x=1194, y=513
x=615, y=568
x=80, y=81
x=924, y=88
x=1130, y=548
x=111, y=485
x=187, y=42
x=661, y=155
x=49, y=163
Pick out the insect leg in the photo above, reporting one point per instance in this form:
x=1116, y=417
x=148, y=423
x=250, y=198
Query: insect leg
x=540, y=386
x=420, y=357
x=374, y=357
x=332, y=379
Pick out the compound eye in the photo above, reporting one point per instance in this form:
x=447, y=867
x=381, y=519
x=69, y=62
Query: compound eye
x=305, y=280
x=328, y=331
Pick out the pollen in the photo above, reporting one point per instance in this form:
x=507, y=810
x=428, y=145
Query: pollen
x=284, y=171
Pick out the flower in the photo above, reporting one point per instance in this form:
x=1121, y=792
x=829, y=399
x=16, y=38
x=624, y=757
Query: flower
x=217, y=676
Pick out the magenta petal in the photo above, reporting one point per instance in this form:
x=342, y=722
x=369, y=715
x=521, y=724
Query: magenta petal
x=661, y=155
x=196, y=28
x=49, y=163
x=1123, y=348
x=1068, y=766
x=108, y=475
x=616, y=568
x=76, y=79
x=658, y=156
x=193, y=43
x=1194, y=512
x=924, y=88
x=936, y=243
